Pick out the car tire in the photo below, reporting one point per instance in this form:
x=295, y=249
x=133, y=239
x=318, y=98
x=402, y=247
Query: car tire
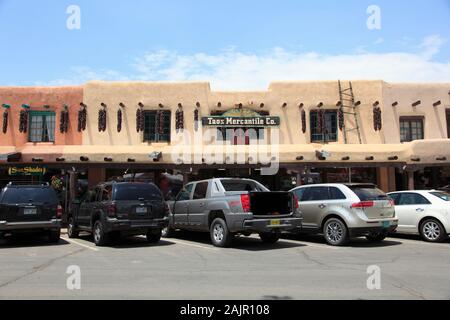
x=335, y=232
x=72, y=231
x=376, y=237
x=168, y=232
x=220, y=235
x=431, y=230
x=270, y=238
x=54, y=236
x=99, y=235
x=153, y=236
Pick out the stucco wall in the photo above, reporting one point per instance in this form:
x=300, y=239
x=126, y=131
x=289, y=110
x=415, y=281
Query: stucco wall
x=37, y=97
x=310, y=93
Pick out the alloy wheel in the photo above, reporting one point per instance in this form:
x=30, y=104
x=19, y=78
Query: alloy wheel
x=431, y=230
x=218, y=233
x=334, y=231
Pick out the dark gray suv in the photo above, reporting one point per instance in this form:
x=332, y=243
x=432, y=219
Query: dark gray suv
x=116, y=209
x=29, y=208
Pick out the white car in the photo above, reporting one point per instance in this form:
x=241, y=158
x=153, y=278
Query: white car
x=424, y=212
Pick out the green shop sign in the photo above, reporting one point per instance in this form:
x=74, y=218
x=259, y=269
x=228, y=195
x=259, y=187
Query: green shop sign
x=27, y=171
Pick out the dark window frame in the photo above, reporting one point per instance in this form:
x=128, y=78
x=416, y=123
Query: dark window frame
x=201, y=196
x=409, y=120
x=447, y=117
x=46, y=133
x=330, y=124
x=150, y=130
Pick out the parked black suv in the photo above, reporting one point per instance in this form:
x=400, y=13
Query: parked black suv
x=30, y=208
x=116, y=209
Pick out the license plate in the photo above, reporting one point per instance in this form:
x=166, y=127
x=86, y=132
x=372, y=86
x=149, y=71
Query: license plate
x=386, y=224
x=275, y=222
x=141, y=210
x=29, y=211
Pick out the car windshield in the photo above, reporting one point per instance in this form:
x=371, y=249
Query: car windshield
x=441, y=195
x=368, y=193
x=144, y=191
x=30, y=195
x=243, y=185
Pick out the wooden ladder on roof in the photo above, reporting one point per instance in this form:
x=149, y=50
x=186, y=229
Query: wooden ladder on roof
x=348, y=108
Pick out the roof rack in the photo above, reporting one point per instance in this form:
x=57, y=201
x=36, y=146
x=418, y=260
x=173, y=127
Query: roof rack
x=28, y=183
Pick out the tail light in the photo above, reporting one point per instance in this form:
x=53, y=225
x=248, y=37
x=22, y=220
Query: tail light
x=363, y=204
x=59, y=211
x=245, y=201
x=392, y=202
x=112, y=210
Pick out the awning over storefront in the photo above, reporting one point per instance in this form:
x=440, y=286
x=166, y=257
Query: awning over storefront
x=417, y=153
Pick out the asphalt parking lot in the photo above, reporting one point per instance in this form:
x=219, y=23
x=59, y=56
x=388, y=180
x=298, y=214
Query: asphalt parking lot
x=189, y=267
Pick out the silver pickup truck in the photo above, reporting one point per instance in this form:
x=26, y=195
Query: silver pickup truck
x=225, y=207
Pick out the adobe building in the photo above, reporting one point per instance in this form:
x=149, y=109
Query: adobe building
x=393, y=134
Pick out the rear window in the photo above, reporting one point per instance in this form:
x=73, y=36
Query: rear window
x=26, y=195
x=368, y=193
x=137, y=191
x=242, y=185
x=442, y=195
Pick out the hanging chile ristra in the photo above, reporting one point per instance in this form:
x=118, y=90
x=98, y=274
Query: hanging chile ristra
x=179, y=119
x=119, y=120
x=102, y=119
x=341, y=118
x=64, y=120
x=196, y=119
x=5, y=118
x=377, y=122
x=82, y=116
x=23, y=119
x=138, y=119
x=161, y=122
x=320, y=121
x=303, y=116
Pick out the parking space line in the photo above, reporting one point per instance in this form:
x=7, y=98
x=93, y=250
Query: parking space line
x=81, y=244
x=309, y=244
x=187, y=243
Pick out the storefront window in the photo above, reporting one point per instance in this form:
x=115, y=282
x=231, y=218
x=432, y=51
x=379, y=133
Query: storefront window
x=151, y=132
x=411, y=128
x=329, y=130
x=42, y=126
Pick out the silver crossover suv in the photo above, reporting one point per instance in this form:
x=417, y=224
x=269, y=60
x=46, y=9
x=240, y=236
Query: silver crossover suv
x=342, y=211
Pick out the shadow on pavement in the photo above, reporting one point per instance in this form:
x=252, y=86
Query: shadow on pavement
x=239, y=242
x=28, y=240
x=129, y=242
x=354, y=242
x=412, y=237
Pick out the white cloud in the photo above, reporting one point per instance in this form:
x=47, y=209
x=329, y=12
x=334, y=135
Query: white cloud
x=234, y=70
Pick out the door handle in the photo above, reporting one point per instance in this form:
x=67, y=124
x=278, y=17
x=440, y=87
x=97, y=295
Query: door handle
x=201, y=204
x=420, y=210
x=322, y=206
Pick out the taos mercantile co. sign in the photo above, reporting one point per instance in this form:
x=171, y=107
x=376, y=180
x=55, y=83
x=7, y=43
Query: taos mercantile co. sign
x=218, y=121
x=27, y=171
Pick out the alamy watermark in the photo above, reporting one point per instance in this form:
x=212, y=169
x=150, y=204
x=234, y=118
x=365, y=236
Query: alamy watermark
x=73, y=21
x=231, y=146
x=374, y=280
x=374, y=19
x=73, y=282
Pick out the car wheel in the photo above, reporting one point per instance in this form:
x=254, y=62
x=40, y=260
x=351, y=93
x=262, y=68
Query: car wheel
x=220, y=235
x=432, y=230
x=54, y=236
x=100, y=237
x=153, y=236
x=335, y=232
x=376, y=237
x=269, y=237
x=168, y=232
x=72, y=232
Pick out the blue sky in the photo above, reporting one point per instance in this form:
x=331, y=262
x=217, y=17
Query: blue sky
x=234, y=44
